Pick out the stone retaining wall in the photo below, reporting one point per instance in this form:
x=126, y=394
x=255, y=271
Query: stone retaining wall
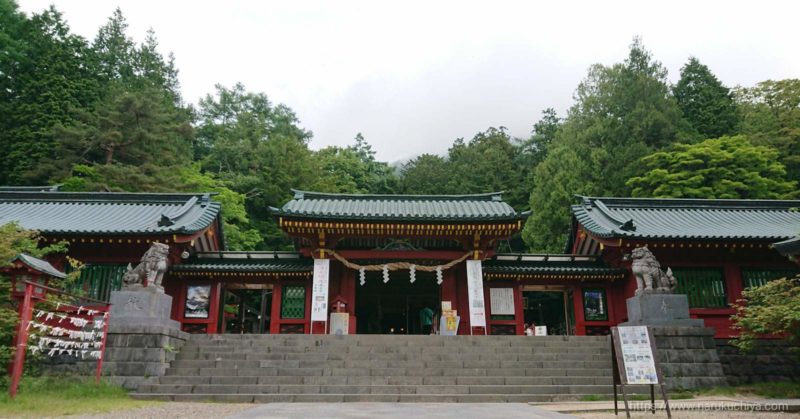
x=771, y=360
x=688, y=357
x=136, y=353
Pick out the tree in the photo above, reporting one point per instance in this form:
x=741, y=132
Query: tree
x=425, y=175
x=134, y=128
x=44, y=78
x=256, y=149
x=621, y=113
x=722, y=168
x=532, y=151
x=341, y=170
x=240, y=234
x=485, y=164
x=545, y=229
x=13, y=241
x=771, y=309
x=705, y=102
x=115, y=50
x=770, y=113
x=152, y=71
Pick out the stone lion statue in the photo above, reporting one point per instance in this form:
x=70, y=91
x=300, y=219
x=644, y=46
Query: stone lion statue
x=150, y=270
x=649, y=276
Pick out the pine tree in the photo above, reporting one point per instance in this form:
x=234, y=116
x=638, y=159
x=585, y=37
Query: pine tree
x=705, y=102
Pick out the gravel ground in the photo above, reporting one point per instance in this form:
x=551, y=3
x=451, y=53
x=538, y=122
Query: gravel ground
x=691, y=415
x=171, y=410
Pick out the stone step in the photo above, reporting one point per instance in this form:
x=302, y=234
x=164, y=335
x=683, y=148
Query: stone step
x=373, y=398
x=384, y=364
x=371, y=389
x=391, y=372
x=431, y=341
x=375, y=380
x=372, y=339
x=363, y=351
x=310, y=359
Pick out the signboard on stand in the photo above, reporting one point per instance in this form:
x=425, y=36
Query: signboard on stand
x=340, y=324
x=319, y=290
x=633, y=359
x=477, y=306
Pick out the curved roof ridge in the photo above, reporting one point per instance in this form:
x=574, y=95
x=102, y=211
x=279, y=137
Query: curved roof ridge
x=58, y=196
x=488, y=196
x=689, y=219
x=693, y=202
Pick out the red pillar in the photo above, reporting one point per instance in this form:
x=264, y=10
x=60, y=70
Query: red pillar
x=519, y=311
x=22, y=340
x=580, y=321
x=275, y=313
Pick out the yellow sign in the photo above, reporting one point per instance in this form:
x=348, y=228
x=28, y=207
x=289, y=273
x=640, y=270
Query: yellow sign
x=450, y=323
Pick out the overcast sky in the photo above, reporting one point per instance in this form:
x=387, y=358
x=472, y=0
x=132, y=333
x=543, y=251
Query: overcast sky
x=414, y=76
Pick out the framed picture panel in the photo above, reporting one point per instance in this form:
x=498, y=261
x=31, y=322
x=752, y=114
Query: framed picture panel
x=595, y=306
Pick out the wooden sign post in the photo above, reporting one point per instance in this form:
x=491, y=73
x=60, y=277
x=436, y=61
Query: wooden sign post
x=634, y=361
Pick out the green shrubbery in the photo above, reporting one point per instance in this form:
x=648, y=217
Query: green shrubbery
x=771, y=309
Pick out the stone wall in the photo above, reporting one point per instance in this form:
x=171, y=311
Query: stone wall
x=688, y=357
x=771, y=360
x=136, y=353
x=133, y=354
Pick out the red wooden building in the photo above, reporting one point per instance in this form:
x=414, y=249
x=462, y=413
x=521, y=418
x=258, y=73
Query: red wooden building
x=715, y=247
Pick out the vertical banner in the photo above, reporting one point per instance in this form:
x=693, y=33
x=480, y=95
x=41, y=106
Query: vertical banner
x=319, y=290
x=477, y=310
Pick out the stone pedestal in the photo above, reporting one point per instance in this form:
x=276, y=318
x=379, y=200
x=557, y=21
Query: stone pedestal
x=686, y=349
x=660, y=310
x=142, y=338
x=143, y=307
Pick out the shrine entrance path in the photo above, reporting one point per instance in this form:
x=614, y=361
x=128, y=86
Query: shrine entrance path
x=397, y=411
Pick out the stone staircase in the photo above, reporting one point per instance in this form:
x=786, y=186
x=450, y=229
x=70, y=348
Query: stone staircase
x=384, y=368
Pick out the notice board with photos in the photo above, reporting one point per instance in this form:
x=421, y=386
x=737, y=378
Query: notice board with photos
x=635, y=352
x=634, y=362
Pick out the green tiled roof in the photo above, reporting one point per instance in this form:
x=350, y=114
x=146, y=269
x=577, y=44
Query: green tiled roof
x=445, y=208
x=789, y=247
x=246, y=262
x=709, y=219
x=40, y=265
x=108, y=212
x=531, y=264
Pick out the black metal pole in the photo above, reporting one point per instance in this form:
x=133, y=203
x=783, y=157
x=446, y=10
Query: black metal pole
x=653, y=398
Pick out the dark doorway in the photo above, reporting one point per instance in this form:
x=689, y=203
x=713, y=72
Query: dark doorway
x=247, y=310
x=394, y=307
x=547, y=308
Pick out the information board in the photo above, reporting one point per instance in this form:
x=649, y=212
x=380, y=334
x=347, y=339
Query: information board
x=635, y=352
x=339, y=324
x=502, y=300
x=319, y=290
x=477, y=310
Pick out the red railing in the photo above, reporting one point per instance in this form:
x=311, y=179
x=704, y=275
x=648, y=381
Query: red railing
x=26, y=317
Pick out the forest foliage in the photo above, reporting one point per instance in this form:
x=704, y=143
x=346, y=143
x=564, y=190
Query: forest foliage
x=107, y=115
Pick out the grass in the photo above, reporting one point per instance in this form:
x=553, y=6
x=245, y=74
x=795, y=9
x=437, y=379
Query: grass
x=673, y=395
x=773, y=390
x=58, y=396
